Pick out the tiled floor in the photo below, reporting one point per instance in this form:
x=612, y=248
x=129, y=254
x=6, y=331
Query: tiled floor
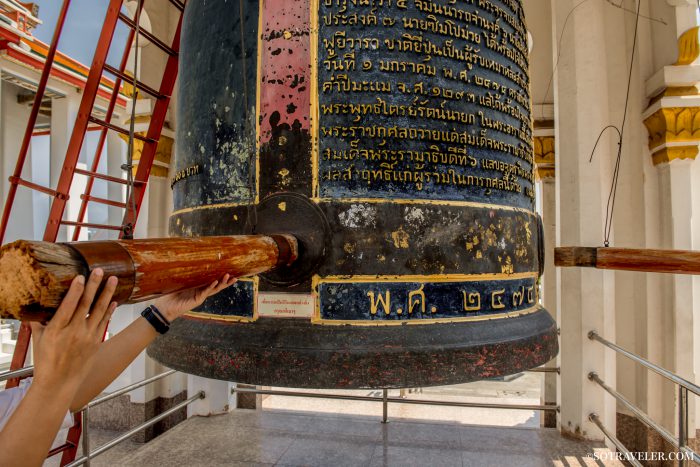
x=254, y=438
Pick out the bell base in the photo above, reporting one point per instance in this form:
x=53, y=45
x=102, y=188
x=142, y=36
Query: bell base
x=295, y=353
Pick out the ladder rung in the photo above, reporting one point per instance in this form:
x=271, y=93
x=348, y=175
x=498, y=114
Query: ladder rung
x=20, y=181
x=128, y=79
x=178, y=4
x=58, y=449
x=108, y=178
x=96, y=199
x=120, y=130
x=150, y=37
x=94, y=226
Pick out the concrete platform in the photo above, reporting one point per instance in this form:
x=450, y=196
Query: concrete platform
x=285, y=438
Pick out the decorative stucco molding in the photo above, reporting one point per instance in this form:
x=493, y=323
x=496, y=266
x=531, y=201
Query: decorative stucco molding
x=689, y=46
x=544, y=157
x=673, y=125
x=164, y=152
x=674, y=133
x=669, y=154
x=673, y=116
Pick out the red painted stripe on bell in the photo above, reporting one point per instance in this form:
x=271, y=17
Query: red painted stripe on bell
x=285, y=64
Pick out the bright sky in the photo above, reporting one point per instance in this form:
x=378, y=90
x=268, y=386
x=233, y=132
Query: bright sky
x=82, y=28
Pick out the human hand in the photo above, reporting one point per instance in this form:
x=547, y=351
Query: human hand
x=172, y=306
x=64, y=348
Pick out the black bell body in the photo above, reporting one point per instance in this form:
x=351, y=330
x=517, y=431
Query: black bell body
x=394, y=139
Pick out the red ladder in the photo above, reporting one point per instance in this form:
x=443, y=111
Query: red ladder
x=61, y=193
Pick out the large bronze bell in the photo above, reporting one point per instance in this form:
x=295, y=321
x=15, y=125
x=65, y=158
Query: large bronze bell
x=393, y=138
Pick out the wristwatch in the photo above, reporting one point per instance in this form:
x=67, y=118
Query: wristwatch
x=156, y=318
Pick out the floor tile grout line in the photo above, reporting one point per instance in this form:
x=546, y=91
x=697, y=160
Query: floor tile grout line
x=285, y=452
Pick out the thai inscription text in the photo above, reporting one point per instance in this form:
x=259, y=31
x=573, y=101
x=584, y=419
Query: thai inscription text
x=424, y=99
x=425, y=300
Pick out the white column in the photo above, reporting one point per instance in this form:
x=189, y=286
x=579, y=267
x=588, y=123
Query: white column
x=63, y=114
x=77, y=188
x=159, y=206
x=549, y=211
x=676, y=183
x=683, y=290
x=218, y=396
x=685, y=14
x=116, y=156
x=39, y=152
x=549, y=280
x=14, y=118
x=143, y=221
x=585, y=296
x=673, y=315
x=695, y=175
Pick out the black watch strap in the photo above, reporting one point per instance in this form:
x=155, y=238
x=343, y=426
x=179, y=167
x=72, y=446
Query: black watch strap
x=151, y=317
x=159, y=314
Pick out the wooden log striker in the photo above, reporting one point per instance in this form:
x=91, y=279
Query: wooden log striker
x=34, y=276
x=629, y=259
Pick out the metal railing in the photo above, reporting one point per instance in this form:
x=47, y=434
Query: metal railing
x=544, y=369
x=87, y=455
x=680, y=442
x=386, y=400
x=85, y=459
x=21, y=373
x=621, y=447
x=129, y=388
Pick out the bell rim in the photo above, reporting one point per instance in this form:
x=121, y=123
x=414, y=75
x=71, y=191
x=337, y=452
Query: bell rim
x=296, y=353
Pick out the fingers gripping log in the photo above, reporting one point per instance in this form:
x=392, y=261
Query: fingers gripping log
x=35, y=276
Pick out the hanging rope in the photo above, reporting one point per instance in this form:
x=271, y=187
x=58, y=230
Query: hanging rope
x=610, y=206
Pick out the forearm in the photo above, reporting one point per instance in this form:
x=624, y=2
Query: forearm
x=30, y=432
x=112, y=359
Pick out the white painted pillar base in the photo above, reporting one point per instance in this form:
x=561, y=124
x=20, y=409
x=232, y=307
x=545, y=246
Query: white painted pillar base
x=218, y=400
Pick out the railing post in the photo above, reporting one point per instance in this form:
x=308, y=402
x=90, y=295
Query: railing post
x=86, y=435
x=385, y=405
x=682, y=423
